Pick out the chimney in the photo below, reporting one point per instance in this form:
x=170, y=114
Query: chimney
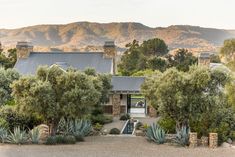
x=110, y=52
x=23, y=49
x=204, y=59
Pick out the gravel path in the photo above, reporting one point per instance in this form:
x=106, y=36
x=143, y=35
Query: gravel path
x=112, y=147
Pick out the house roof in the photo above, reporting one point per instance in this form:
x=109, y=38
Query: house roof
x=126, y=84
x=77, y=60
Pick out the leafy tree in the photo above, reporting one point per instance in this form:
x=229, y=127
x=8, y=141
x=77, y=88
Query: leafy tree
x=228, y=49
x=182, y=60
x=185, y=95
x=215, y=58
x=53, y=94
x=6, y=78
x=8, y=61
x=154, y=47
x=157, y=63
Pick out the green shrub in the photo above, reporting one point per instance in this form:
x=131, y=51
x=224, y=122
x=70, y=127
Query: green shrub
x=79, y=138
x=51, y=140
x=139, y=125
x=14, y=118
x=35, y=135
x=156, y=134
x=18, y=136
x=114, y=131
x=101, y=119
x=69, y=139
x=3, y=135
x=167, y=124
x=97, y=127
x=125, y=117
x=182, y=136
x=3, y=123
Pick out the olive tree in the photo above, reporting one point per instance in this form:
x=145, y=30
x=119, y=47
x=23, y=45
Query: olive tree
x=54, y=93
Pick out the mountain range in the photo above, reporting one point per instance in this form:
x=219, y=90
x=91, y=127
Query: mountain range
x=91, y=36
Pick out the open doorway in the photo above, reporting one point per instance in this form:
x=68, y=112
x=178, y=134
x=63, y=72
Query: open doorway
x=136, y=105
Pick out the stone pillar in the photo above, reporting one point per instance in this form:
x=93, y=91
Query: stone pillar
x=152, y=111
x=116, y=104
x=204, y=141
x=193, y=139
x=213, y=140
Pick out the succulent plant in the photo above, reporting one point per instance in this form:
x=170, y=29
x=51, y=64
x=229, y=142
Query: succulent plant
x=82, y=127
x=18, y=136
x=182, y=136
x=3, y=135
x=156, y=134
x=35, y=135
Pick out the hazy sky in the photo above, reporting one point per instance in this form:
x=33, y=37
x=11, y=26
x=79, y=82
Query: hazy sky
x=154, y=13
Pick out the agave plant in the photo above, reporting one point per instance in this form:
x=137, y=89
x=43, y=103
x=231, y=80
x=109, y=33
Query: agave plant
x=182, y=136
x=35, y=135
x=81, y=128
x=3, y=135
x=156, y=134
x=18, y=136
x=65, y=127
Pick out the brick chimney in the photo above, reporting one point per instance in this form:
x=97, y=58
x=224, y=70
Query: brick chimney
x=23, y=49
x=110, y=52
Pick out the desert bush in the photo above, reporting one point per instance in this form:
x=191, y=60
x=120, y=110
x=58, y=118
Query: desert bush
x=60, y=139
x=18, y=136
x=70, y=139
x=114, y=131
x=139, y=125
x=125, y=117
x=51, y=140
x=35, y=135
x=101, y=119
x=156, y=134
x=167, y=124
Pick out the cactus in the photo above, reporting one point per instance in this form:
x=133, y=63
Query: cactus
x=182, y=136
x=156, y=134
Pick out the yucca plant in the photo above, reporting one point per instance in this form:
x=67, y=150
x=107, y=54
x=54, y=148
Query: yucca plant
x=182, y=136
x=18, y=136
x=3, y=135
x=156, y=134
x=35, y=135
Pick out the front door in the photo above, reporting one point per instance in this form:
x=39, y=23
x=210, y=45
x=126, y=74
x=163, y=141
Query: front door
x=136, y=105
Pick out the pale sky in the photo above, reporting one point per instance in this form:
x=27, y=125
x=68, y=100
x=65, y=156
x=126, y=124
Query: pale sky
x=153, y=13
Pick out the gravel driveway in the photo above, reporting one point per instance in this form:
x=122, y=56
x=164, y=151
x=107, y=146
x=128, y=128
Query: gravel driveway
x=112, y=147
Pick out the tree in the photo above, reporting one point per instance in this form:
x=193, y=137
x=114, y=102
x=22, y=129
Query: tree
x=185, y=95
x=8, y=61
x=182, y=60
x=154, y=47
x=141, y=57
x=6, y=78
x=53, y=94
x=228, y=49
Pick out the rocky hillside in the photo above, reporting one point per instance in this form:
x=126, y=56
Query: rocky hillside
x=90, y=36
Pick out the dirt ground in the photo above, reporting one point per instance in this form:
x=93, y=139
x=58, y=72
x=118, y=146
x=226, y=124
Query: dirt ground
x=112, y=146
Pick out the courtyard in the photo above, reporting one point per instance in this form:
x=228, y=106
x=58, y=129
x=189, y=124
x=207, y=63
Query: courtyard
x=112, y=146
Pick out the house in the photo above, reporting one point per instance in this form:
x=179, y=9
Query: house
x=125, y=96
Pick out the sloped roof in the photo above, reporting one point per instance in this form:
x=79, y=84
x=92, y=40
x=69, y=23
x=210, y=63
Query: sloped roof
x=77, y=60
x=126, y=84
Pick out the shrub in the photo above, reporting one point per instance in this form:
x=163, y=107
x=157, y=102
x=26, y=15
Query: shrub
x=102, y=119
x=139, y=125
x=114, y=131
x=182, y=136
x=98, y=127
x=69, y=139
x=156, y=134
x=35, y=135
x=125, y=117
x=18, y=136
x=167, y=124
x=14, y=118
x=3, y=135
x=3, y=123
x=79, y=138
x=51, y=140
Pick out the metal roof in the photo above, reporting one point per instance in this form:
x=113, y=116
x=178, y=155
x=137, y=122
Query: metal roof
x=77, y=60
x=127, y=84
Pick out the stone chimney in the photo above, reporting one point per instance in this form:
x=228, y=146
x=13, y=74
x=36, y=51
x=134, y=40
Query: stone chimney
x=204, y=59
x=23, y=49
x=110, y=52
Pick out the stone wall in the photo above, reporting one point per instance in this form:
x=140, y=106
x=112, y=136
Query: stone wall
x=213, y=140
x=193, y=139
x=116, y=104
